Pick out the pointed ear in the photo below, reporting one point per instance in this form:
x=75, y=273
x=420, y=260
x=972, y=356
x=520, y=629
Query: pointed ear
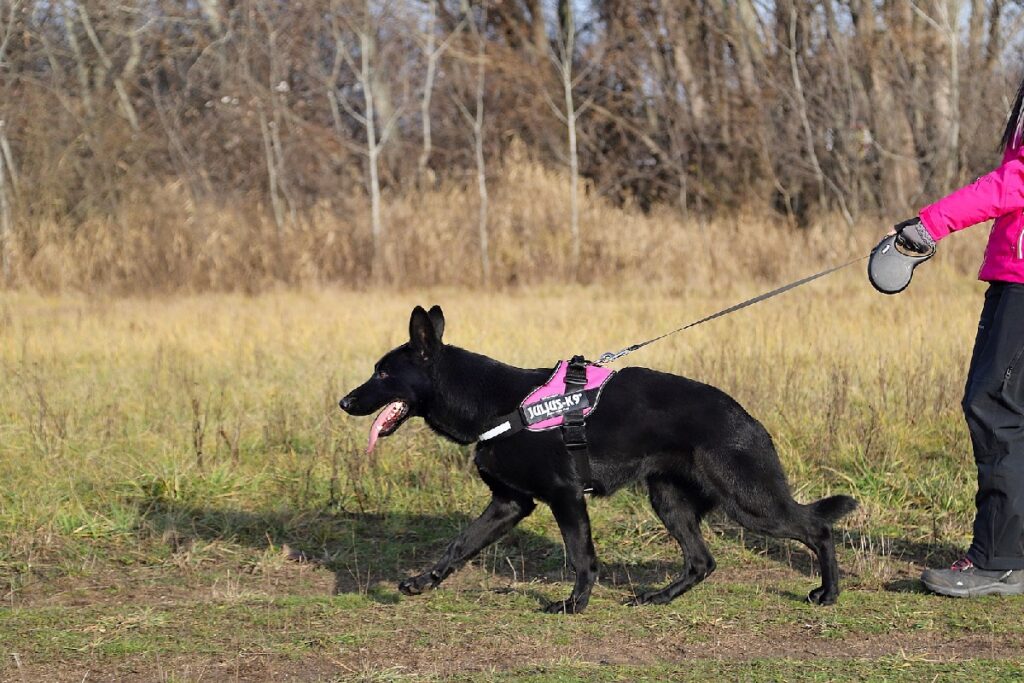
x=422, y=335
x=437, y=318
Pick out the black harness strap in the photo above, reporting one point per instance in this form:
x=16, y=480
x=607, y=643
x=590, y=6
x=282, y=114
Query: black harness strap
x=574, y=429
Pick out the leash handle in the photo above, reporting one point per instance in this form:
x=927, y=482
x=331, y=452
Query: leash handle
x=611, y=356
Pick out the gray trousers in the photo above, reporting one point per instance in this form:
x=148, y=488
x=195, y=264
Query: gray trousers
x=994, y=406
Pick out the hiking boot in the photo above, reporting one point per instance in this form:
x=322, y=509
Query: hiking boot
x=964, y=580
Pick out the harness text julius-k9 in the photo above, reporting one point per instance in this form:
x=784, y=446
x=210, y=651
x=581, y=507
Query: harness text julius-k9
x=564, y=401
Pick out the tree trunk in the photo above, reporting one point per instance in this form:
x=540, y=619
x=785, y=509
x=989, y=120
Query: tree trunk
x=481, y=170
x=428, y=91
x=741, y=40
x=994, y=27
x=372, y=155
x=574, y=170
x=567, y=49
x=687, y=75
x=940, y=24
x=891, y=132
x=5, y=225
x=538, y=29
x=801, y=104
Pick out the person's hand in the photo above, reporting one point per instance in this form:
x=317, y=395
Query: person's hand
x=914, y=236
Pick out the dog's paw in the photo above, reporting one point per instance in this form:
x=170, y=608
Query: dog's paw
x=822, y=596
x=415, y=585
x=563, y=607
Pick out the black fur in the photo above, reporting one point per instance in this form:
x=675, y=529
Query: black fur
x=694, y=447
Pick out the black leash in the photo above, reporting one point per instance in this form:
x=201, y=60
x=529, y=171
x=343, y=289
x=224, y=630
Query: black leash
x=614, y=356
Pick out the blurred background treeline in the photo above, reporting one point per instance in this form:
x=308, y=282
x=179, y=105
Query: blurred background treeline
x=166, y=145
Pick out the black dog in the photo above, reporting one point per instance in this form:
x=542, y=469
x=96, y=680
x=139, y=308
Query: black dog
x=693, y=446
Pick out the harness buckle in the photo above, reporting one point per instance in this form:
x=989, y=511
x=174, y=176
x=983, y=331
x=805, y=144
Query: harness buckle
x=574, y=435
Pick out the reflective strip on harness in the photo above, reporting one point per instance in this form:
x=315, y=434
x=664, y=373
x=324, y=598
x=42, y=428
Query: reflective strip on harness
x=505, y=426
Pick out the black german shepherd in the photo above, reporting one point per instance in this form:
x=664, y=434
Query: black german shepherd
x=694, y=447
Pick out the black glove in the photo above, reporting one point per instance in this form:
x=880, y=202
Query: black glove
x=912, y=235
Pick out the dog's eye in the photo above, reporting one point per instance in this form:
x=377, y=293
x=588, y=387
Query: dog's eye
x=382, y=374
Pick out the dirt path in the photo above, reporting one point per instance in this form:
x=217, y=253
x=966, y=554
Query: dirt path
x=283, y=622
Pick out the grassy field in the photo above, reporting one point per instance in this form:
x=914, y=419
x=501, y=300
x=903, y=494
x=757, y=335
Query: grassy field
x=181, y=499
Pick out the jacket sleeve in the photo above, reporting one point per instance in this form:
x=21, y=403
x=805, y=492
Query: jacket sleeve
x=990, y=196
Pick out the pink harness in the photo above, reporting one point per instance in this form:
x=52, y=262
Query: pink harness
x=555, y=398
x=564, y=401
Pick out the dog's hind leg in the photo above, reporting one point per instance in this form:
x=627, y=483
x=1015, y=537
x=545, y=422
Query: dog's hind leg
x=570, y=511
x=820, y=515
x=506, y=509
x=819, y=539
x=783, y=517
x=680, y=508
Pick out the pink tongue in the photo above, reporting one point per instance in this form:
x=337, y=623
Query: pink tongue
x=390, y=410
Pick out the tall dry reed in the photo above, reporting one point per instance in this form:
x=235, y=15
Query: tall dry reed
x=165, y=241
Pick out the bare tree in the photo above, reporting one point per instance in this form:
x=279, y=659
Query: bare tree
x=563, y=56
x=367, y=77
x=105, y=65
x=433, y=53
x=8, y=173
x=566, y=55
x=942, y=18
x=715, y=106
x=475, y=120
x=8, y=26
x=6, y=170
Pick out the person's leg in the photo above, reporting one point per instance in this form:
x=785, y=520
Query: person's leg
x=994, y=407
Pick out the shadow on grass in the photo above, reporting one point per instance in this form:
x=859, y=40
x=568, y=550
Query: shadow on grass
x=364, y=549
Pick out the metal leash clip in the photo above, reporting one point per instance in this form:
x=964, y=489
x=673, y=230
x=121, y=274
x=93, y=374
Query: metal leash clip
x=610, y=356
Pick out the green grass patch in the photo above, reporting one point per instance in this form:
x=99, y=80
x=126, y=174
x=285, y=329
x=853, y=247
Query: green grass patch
x=161, y=478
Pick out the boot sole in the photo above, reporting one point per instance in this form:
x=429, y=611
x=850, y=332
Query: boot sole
x=992, y=589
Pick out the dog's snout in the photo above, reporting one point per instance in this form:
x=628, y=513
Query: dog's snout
x=346, y=403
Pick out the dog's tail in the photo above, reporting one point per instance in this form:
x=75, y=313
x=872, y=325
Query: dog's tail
x=833, y=508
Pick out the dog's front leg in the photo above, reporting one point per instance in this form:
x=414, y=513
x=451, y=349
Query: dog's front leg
x=503, y=513
x=570, y=512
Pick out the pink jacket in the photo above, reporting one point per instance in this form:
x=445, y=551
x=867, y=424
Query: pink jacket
x=999, y=195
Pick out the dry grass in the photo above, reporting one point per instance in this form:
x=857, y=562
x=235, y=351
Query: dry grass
x=860, y=391
x=164, y=241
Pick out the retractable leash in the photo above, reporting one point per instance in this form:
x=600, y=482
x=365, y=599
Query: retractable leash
x=611, y=356
x=892, y=265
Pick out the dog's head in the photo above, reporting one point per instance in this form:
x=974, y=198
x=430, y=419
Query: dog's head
x=401, y=383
